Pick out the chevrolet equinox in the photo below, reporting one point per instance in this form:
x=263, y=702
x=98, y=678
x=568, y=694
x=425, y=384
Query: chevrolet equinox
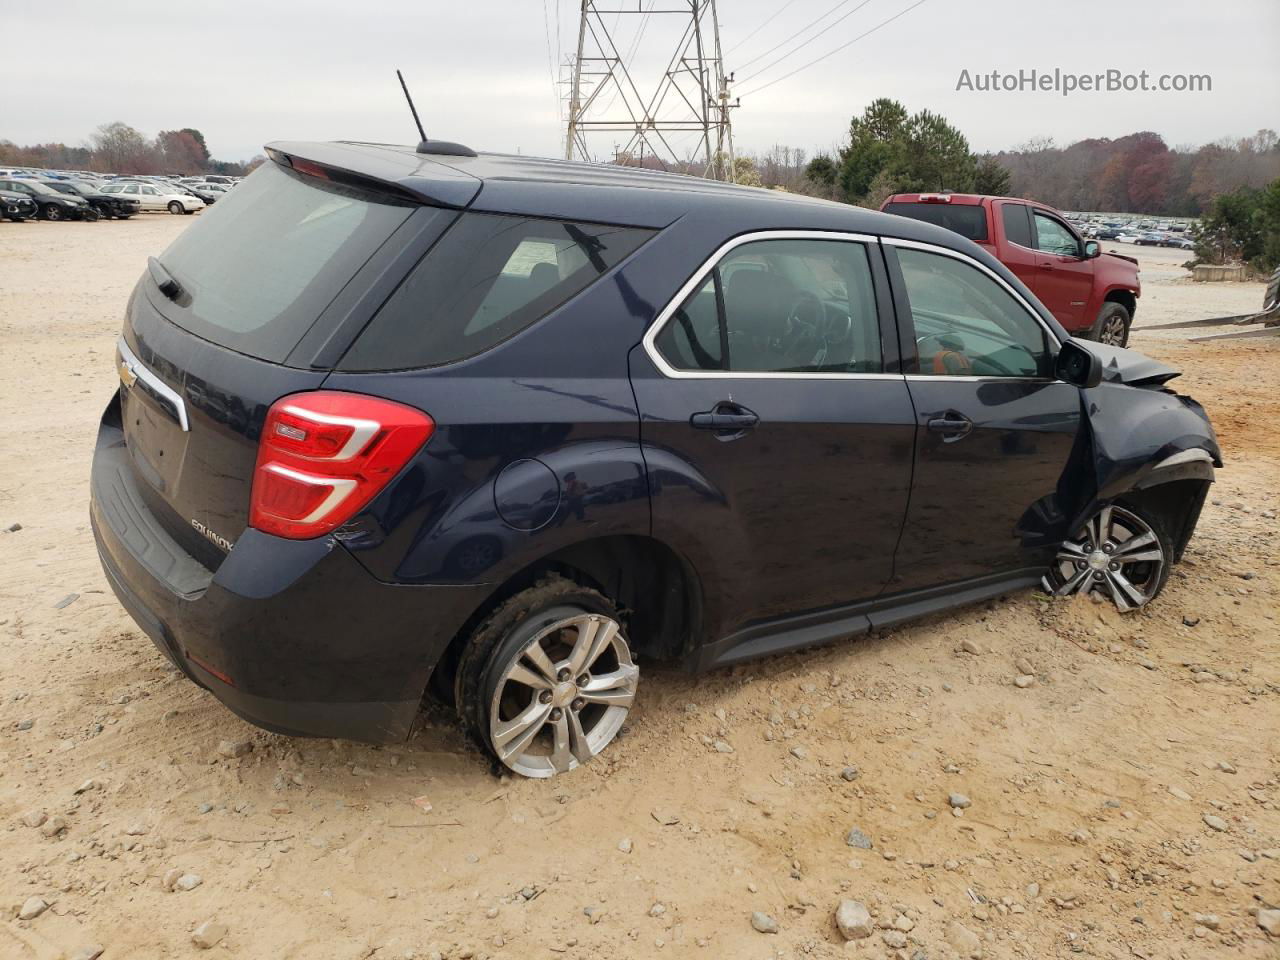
x=399, y=420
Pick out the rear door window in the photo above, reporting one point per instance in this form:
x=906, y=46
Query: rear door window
x=780, y=306
x=261, y=267
x=488, y=278
x=1017, y=229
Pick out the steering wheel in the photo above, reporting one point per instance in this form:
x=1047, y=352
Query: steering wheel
x=803, y=328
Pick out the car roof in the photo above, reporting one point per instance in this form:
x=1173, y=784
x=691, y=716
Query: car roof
x=603, y=193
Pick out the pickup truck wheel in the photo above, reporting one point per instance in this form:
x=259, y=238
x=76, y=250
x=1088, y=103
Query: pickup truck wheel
x=1112, y=325
x=545, y=683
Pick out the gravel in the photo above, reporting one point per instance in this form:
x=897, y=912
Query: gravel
x=856, y=838
x=763, y=923
x=32, y=908
x=209, y=934
x=853, y=920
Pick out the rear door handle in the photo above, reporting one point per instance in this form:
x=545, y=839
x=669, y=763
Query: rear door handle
x=725, y=417
x=951, y=425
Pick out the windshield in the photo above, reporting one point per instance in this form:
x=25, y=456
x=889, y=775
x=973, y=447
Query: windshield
x=261, y=266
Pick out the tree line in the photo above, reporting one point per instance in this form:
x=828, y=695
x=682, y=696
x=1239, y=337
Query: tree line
x=119, y=148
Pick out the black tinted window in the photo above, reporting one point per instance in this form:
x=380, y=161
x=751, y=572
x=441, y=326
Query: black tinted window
x=262, y=266
x=487, y=279
x=1017, y=229
x=966, y=219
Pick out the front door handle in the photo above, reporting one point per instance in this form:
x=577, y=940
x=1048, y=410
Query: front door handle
x=951, y=425
x=725, y=418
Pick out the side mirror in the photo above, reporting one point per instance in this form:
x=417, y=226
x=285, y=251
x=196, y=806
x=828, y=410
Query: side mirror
x=1092, y=249
x=1077, y=365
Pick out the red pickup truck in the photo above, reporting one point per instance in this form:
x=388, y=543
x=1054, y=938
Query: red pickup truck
x=1093, y=294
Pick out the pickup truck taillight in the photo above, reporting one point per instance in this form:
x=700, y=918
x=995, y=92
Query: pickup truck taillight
x=324, y=455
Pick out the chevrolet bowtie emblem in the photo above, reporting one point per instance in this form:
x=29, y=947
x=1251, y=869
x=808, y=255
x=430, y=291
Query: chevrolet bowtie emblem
x=127, y=374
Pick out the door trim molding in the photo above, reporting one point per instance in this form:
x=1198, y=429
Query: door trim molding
x=852, y=620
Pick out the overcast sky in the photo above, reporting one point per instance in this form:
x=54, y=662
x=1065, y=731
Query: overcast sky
x=249, y=73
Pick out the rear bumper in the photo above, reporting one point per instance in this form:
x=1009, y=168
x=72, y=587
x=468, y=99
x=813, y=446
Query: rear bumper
x=293, y=636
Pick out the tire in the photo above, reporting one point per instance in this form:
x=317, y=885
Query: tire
x=1112, y=325
x=568, y=723
x=90, y=215
x=175, y=207
x=104, y=212
x=123, y=216
x=1131, y=576
x=51, y=211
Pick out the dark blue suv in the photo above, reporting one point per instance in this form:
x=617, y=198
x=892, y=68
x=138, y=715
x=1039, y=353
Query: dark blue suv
x=395, y=421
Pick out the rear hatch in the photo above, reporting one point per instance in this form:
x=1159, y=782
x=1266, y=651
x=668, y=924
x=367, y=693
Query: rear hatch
x=213, y=331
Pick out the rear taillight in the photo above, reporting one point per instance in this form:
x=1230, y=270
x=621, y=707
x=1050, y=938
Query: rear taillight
x=324, y=455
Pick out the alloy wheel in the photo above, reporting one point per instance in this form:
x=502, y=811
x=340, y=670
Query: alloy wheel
x=1116, y=553
x=1112, y=332
x=52, y=212
x=563, y=696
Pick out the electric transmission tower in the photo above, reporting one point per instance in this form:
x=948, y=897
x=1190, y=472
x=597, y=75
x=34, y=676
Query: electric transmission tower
x=610, y=94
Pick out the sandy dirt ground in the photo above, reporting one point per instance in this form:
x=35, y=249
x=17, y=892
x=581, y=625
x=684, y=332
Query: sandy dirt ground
x=1125, y=805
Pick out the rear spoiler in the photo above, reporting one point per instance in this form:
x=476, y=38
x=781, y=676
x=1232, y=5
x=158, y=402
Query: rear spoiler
x=409, y=175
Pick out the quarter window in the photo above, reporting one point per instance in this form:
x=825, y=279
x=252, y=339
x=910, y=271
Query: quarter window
x=1052, y=236
x=966, y=324
x=780, y=306
x=488, y=278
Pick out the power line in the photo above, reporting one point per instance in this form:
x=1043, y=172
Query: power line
x=551, y=64
x=817, y=36
x=831, y=53
x=803, y=29
x=768, y=21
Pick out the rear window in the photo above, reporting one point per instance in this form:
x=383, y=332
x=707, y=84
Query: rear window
x=968, y=220
x=488, y=278
x=263, y=263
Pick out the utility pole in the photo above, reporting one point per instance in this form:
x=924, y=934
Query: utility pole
x=690, y=96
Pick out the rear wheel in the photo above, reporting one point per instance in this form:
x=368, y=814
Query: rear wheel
x=175, y=207
x=547, y=681
x=1121, y=553
x=1112, y=325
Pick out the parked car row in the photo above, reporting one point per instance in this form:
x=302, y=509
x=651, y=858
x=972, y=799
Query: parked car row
x=25, y=198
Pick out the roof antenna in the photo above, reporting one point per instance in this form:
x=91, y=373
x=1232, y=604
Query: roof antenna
x=422, y=134
x=438, y=147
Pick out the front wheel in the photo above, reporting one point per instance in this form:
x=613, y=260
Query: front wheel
x=547, y=681
x=1112, y=325
x=175, y=207
x=51, y=211
x=1120, y=553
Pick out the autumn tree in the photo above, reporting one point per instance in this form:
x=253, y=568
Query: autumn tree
x=182, y=152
